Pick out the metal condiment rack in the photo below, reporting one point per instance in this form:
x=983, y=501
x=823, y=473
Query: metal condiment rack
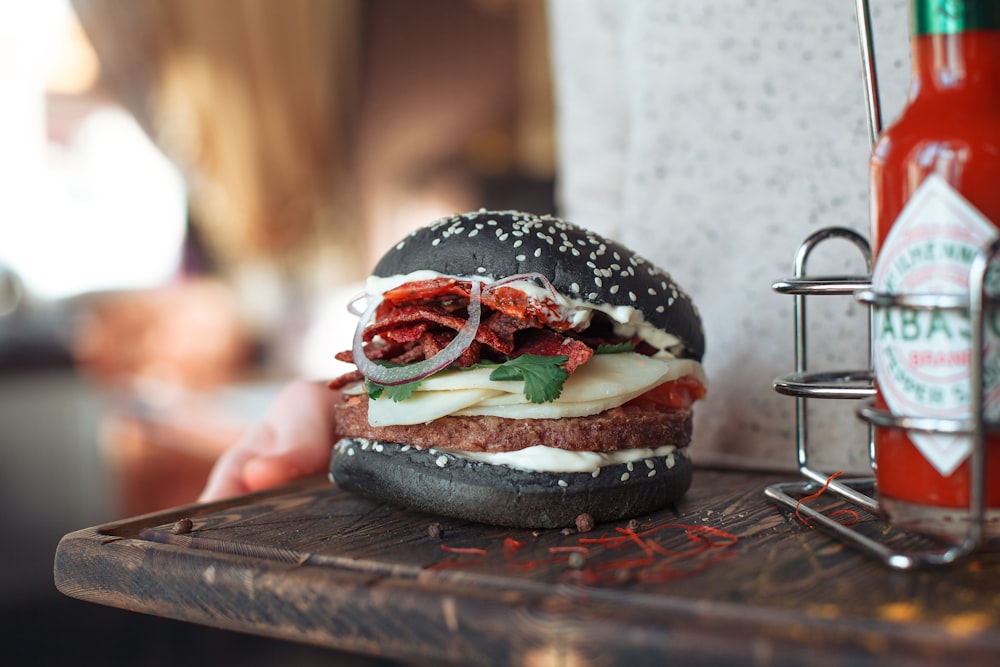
x=859, y=384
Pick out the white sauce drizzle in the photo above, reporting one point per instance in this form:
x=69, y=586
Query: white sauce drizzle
x=542, y=458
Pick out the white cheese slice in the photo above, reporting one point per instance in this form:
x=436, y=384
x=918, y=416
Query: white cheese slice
x=423, y=406
x=473, y=378
x=604, y=382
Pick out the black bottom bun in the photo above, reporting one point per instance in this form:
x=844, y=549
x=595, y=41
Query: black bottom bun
x=440, y=483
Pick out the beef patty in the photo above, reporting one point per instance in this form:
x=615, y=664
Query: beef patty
x=623, y=427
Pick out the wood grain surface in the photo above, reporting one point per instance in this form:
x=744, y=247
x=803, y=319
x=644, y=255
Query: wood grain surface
x=725, y=577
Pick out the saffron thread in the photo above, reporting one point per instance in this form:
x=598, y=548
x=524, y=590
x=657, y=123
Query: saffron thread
x=654, y=563
x=853, y=515
x=476, y=551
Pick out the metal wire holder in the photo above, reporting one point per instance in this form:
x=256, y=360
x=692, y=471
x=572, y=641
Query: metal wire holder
x=804, y=385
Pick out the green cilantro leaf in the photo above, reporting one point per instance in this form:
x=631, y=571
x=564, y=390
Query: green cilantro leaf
x=543, y=376
x=615, y=348
x=374, y=390
x=397, y=392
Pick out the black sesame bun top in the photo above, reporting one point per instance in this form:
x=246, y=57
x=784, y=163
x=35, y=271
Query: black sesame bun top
x=583, y=266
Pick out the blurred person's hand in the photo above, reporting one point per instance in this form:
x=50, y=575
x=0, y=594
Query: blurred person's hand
x=292, y=441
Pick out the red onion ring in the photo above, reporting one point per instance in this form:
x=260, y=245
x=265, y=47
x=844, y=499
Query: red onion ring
x=396, y=375
x=352, y=305
x=525, y=276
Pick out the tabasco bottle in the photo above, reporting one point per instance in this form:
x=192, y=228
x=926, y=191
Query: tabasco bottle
x=935, y=202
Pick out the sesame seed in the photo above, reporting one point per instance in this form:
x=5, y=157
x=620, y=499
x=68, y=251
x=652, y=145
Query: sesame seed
x=518, y=243
x=651, y=473
x=350, y=451
x=614, y=289
x=631, y=296
x=649, y=463
x=441, y=461
x=563, y=483
x=624, y=476
x=519, y=258
x=538, y=252
x=630, y=466
x=596, y=473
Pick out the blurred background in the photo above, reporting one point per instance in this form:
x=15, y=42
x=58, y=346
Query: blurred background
x=189, y=194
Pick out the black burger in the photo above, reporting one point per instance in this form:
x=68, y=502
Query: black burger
x=521, y=371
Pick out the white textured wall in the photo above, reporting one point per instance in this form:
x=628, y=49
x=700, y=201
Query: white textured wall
x=713, y=136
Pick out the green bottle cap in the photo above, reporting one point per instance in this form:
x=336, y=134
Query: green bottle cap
x=945, y=17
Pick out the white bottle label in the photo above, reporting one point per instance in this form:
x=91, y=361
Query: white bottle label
x=921, y=358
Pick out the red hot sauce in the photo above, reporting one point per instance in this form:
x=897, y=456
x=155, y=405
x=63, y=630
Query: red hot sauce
x=935, y=198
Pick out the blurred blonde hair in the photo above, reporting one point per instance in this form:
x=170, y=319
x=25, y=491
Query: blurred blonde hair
x=255, y=100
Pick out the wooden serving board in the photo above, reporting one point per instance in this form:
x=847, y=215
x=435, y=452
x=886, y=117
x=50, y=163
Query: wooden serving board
x=725, y=578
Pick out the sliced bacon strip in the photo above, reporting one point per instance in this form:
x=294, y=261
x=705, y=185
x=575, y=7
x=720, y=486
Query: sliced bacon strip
x=401, y=315
x=549, y=343
x=504, y=326
x=432, y=343
x=411, y=333
x=404, y=316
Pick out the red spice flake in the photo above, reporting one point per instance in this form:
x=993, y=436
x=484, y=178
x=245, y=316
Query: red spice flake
x=510, y=546
x=453, y=563
x=510, y=549
x=643, y=556
x=853, y=516
x=476, y=551
x=570, y=549
x=852, y=521
x=658, y=564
